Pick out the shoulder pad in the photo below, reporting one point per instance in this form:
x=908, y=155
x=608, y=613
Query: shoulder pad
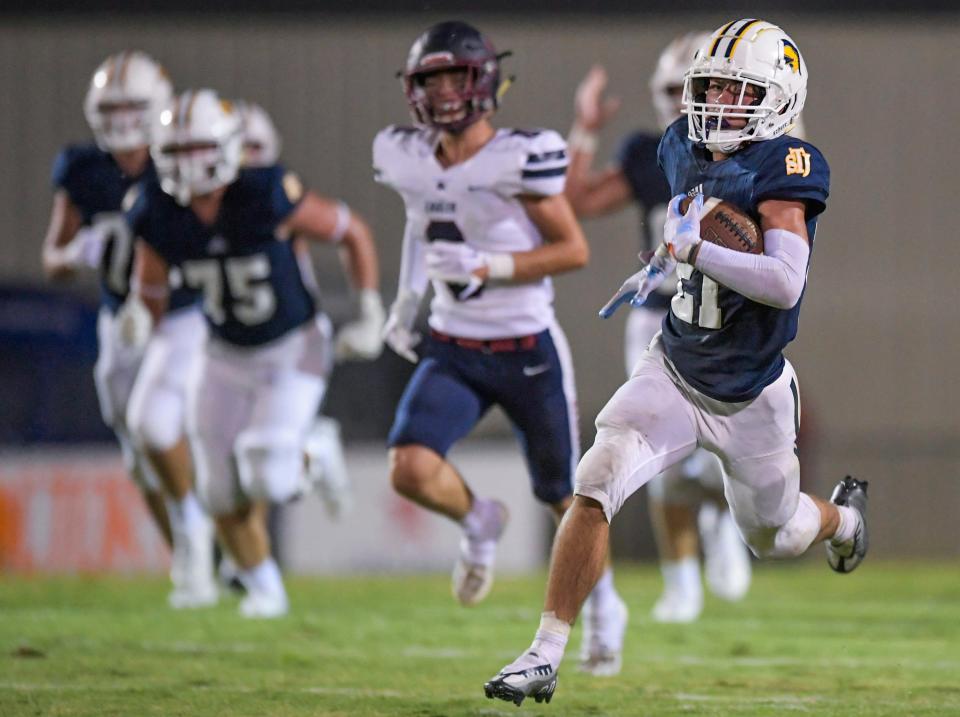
x=535, y=162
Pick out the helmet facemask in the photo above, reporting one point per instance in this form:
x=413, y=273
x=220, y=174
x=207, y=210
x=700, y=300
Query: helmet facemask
x=476, y=98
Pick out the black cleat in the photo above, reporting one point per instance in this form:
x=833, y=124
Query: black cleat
x=538, y=681
x=846, y=557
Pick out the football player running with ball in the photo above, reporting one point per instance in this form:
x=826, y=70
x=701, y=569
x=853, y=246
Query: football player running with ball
x=697, y=482
x=487, y=224
x=231, y=232
x=716, y=378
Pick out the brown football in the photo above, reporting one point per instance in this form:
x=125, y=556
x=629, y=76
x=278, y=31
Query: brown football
x=725, y=224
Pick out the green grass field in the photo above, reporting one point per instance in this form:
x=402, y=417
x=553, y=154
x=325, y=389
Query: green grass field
x=884, y=641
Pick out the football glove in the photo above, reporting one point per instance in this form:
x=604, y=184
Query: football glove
x=362, y=338
x=398, y=332
x=86, y=247
x=681, y=232
x=134, y=323
x=638, y=287
x=457, y=263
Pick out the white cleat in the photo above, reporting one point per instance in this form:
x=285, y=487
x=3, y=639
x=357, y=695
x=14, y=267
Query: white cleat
x=191, y=569
x=726, y=558
x=326, y=468
x=528, y=676
x=601, y=645
x=675, y=606
x=264, y=605
x=473, y=572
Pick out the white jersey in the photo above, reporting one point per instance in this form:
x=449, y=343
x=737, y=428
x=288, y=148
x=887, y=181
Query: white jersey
x=477, y=201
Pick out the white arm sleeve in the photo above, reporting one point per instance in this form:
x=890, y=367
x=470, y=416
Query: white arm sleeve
x=775, y=278
x=413, y=265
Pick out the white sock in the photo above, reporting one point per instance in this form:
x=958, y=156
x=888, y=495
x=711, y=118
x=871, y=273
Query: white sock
x=682, y=576
x=263, y=578
x=185, y=514
x=604, y=592
x=551, y=639
x=481, y=522
x=849, y=518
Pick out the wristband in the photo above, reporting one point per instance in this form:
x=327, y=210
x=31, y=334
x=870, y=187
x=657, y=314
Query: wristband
x=343, y=223
x=499, y=266
x=582, y=140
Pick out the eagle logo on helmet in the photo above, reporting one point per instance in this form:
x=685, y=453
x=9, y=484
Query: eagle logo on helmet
x=791, y=56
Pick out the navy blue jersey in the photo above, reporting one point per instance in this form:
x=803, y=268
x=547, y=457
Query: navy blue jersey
x=253, y=291
x=722, y=343
x=96, y=187
x=637, y=159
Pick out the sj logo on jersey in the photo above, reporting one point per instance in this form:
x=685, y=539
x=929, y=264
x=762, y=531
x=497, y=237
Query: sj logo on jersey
x=798, y=161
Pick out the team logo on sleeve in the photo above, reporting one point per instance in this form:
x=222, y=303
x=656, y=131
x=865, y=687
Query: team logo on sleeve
x=292, y=186
x=798, y=161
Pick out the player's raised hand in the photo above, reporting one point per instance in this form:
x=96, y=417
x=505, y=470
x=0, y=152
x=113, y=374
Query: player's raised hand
x=363, y=337
x=398, y=331
x=593, y=110
x=681, y=232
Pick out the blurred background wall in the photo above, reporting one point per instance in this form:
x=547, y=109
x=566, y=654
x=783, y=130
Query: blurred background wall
x=879, y=341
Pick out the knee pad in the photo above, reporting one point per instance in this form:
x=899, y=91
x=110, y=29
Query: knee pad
x=792, y=538
x=270, y=465
x=605, y=468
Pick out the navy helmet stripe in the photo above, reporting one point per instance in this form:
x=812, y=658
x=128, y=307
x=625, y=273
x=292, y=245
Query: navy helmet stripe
x=720, y=32
x=737, y=35
x=543, y=173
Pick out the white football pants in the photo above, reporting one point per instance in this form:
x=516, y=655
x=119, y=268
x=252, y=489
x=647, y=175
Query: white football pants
x=699, y=476
x=656, y=420
x=114, y=375
x=156, y=413
x=248, y=413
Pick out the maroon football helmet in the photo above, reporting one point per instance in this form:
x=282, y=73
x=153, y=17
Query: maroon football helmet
x=453, y=45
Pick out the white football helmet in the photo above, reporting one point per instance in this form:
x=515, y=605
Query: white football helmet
x=674, y=61
x=126, y=92
x=261, y=142
x=755, y=53
x=197, y=145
